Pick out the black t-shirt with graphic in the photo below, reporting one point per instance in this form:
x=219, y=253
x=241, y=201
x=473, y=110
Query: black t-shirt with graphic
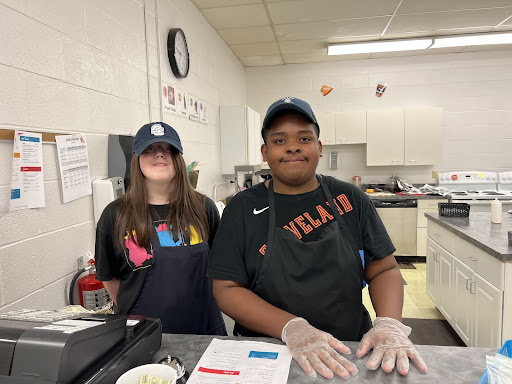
x=239, y=244
x=132, y=267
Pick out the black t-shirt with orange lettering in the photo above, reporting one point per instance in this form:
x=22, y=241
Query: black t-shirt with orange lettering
x=239, y=244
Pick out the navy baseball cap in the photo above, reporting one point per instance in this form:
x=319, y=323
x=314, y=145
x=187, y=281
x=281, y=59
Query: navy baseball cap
x=155, y=133
x=288, y=104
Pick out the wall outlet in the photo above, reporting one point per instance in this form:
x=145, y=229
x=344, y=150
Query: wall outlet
x=80, y=262
x=434, y=174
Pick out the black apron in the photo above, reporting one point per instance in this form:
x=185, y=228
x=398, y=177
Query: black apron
x=321, y=280
x=178, y=291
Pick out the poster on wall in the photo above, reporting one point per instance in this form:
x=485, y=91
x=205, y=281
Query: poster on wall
x=168, y=98
x=193, y=108
x=203, y=112
x=74, y=167
x=181, y=103
x=27, y=184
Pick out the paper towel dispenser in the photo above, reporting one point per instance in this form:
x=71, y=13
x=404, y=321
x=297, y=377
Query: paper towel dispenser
x=104, y=191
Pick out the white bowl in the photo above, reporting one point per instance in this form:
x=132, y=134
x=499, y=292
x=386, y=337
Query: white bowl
x=158, y=370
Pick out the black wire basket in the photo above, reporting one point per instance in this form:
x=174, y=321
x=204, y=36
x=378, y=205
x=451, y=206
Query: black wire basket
x=454, y=209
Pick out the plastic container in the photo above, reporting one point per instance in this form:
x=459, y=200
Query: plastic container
x=505, y=350
x=356, y=180
x=496, y=212
x=158, y=370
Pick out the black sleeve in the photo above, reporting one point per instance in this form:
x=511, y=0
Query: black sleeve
x=227, y=261
x=107, y=264
x=376, y=241
x=212, y=214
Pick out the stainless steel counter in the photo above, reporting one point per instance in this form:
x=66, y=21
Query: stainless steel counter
x=445, y=364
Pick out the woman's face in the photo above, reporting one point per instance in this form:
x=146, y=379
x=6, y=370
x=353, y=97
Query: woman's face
x=156, y=163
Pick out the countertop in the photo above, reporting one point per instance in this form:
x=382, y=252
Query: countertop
x=478, y=230
x=390, y=196
x=445, y=364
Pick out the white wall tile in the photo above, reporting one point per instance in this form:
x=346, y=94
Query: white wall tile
x=66, y=16
x=54, y=253
x=128, y=13
x=14, y=4
x=31, y=301
x=29, y=45
x=114, y=38
x=14, y=96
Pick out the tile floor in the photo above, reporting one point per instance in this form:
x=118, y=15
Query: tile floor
x=417, y=303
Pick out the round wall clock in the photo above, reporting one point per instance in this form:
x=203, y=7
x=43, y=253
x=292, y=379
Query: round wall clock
x=177, y=50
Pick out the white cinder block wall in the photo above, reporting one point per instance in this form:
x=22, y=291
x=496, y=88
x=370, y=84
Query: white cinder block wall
x=81, y=66
x=474, y=89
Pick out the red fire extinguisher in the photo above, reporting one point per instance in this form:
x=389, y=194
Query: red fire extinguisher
x=93, y=295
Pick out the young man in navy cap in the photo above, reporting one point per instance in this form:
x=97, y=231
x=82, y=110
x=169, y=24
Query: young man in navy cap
x=292, y=255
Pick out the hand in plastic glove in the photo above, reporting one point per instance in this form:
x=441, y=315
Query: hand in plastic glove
x=316, y=350
x=389, y=339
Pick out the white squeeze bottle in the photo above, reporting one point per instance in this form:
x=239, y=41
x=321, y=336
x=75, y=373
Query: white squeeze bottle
x=496, y=212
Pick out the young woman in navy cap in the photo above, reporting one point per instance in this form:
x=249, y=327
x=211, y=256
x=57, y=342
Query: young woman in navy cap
x=152, y=244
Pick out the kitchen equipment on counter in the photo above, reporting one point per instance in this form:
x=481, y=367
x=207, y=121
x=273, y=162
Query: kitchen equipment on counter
x=392, y=185
x=479, y=189
x=399, y=218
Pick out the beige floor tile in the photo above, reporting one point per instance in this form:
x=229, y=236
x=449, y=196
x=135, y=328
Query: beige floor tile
x=412, y=311
x=416, y=289
x=431, y=313
x=422, y=300
x=408, y=299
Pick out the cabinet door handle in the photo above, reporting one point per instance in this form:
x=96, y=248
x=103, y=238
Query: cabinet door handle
x=412, y=161
x=468, y=285
x=472, y=258
x=473, y=284
x=437, y=234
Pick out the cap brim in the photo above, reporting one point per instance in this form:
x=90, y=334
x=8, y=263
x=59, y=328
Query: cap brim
x=137, y=151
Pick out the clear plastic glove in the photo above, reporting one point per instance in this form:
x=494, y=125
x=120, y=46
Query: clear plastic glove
x=389, y=339
x=316, y=350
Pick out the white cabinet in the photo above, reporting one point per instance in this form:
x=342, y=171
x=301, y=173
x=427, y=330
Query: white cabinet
x=404, y=137
x=478, y=305
x=350, y=127
x=423, y=136
x=342, y=127
x=424, y=205
x=385, y=137
x=240, y=134
x=326, y=121
x=467, y=286
x=440, y=264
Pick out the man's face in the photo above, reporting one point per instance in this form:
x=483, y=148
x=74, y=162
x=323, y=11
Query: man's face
x=292, y=150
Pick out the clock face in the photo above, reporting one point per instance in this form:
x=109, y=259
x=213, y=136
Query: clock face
x=177, y=50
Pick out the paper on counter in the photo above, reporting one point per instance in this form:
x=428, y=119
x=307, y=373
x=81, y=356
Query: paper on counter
x=242, y=362
x=27, y=184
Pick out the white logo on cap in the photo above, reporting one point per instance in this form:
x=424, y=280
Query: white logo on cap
x=288, y=99
x=157, y=130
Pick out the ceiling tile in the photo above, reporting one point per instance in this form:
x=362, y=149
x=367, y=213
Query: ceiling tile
x=223, y=3
x=321, y=10
x=303, y=46
x=247, y=35
x=257, y=61
x=258, y=49
x=419, y=6
x=239, y=16
x=431, y=22
x=331, y=29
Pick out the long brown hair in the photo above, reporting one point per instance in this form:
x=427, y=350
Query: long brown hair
x=187, y=207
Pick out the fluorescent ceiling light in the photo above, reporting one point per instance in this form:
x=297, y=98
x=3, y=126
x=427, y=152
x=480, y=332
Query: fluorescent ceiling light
x=462, y=41
x=379, y=46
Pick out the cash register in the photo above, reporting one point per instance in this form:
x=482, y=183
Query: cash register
x=52, y=347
